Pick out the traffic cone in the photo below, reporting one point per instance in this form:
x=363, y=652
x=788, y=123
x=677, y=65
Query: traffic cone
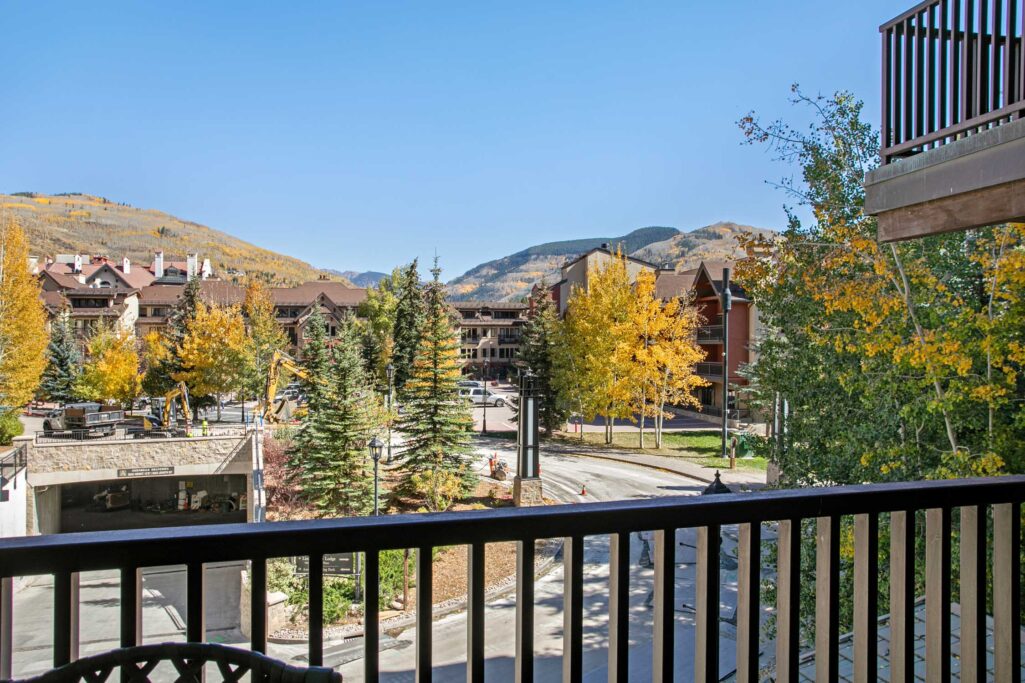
x=583, y=489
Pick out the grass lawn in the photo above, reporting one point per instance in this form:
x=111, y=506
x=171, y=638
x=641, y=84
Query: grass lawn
x=700, y=447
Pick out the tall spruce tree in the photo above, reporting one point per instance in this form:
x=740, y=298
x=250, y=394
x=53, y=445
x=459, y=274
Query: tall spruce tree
x=333, y=468
x=63, y=361
x=538, y=351
x=436, y=422
x=410, y=312
x=158, y=377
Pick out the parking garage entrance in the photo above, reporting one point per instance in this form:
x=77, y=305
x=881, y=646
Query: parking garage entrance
x=138, y=500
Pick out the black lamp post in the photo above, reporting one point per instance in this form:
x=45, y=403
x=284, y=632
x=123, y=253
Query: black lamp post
x=484, y=421
x=376, y=448
x=390, y=370
x=727, y=304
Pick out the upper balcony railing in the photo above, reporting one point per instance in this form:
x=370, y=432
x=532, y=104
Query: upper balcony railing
x=950, y=68
x=709, y=333
x=916, y=515
x=709, y=369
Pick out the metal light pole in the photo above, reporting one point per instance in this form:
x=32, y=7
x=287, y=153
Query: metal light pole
x=484, y=422
x=375, y=446
x=391, y=386
x=727, y=303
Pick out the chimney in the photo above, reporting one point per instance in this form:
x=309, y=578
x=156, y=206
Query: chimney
x=77, y=266
x=605, y=246
x=206, y=270
x=126, y=266
x=158, y=264
x=49, y=261
x=191, y=266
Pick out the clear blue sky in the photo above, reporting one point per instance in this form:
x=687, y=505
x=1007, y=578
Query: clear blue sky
x=359, y=135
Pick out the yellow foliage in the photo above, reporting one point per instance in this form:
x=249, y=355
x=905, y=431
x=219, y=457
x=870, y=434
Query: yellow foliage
x=214, y=352
x=23, y=337
x=111, y=370
x=79, y=213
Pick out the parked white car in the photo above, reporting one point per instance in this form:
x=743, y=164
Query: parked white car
x=480, y=396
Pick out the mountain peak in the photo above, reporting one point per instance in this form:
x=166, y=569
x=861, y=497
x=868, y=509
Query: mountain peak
x=510, y=278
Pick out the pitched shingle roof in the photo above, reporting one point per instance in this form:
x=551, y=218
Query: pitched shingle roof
x=305, y=294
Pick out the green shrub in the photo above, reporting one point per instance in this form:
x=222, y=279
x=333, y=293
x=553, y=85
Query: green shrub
x=10, y=427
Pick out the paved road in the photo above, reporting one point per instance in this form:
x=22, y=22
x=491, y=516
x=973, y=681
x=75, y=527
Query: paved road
x=563, y=476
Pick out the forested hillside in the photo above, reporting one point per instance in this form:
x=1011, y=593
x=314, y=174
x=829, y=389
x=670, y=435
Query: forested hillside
x=86, y=224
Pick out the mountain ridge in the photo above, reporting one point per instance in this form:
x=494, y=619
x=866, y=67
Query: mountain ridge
x=510, y=278
x=77, y=223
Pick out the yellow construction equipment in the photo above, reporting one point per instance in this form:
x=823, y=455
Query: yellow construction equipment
x=162, y=420
x=273, y=411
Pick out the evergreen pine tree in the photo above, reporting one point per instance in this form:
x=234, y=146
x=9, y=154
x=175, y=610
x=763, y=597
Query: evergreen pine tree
x=409, y=322
x=316, y=362
x=333, y=466
x=436, y=422
x=158, y=378
x=63, y=361
x=538, y=351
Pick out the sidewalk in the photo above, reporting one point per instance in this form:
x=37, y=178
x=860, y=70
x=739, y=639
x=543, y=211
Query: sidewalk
x=735, y=479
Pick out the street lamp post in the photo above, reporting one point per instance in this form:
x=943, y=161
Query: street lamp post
x=727, y=304
x=484, y=421
x=391, y=386
x=376, y=447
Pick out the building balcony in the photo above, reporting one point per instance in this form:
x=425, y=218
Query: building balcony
x=753, y=526
x=953, y=139
x=710, y=334
x=713, y=370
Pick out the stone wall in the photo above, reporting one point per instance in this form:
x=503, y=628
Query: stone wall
x=80, y=461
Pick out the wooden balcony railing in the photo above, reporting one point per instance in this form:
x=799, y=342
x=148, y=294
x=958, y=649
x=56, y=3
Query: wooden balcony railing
x=917, y=513
x=950, y=68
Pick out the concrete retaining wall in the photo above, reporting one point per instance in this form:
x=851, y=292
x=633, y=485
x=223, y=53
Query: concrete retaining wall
x=81, y=461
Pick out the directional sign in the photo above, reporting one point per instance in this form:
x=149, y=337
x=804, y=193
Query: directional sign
x=344, y=564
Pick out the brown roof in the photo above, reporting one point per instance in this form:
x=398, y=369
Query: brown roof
x=135, y=277
x=305, y=294
x=212, y=291
x=54, y=301
x=160, y=294
x=670, y=284
x=63, y=280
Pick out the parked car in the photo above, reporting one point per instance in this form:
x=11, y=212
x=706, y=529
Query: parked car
x=480, y=396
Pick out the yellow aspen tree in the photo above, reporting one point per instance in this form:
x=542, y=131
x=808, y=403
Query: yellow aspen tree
x=677, y=354
x=111, y=370
x=214, y=353
x=23, y=337
x=596, y=328
x=661, y=351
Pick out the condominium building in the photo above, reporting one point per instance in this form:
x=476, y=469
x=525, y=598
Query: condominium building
x=490, y=334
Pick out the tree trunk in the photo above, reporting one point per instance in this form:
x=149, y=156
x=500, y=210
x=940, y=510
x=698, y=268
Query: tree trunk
x=640, y=422
x=659, y=419
x=940, y=393
x=218, y=407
